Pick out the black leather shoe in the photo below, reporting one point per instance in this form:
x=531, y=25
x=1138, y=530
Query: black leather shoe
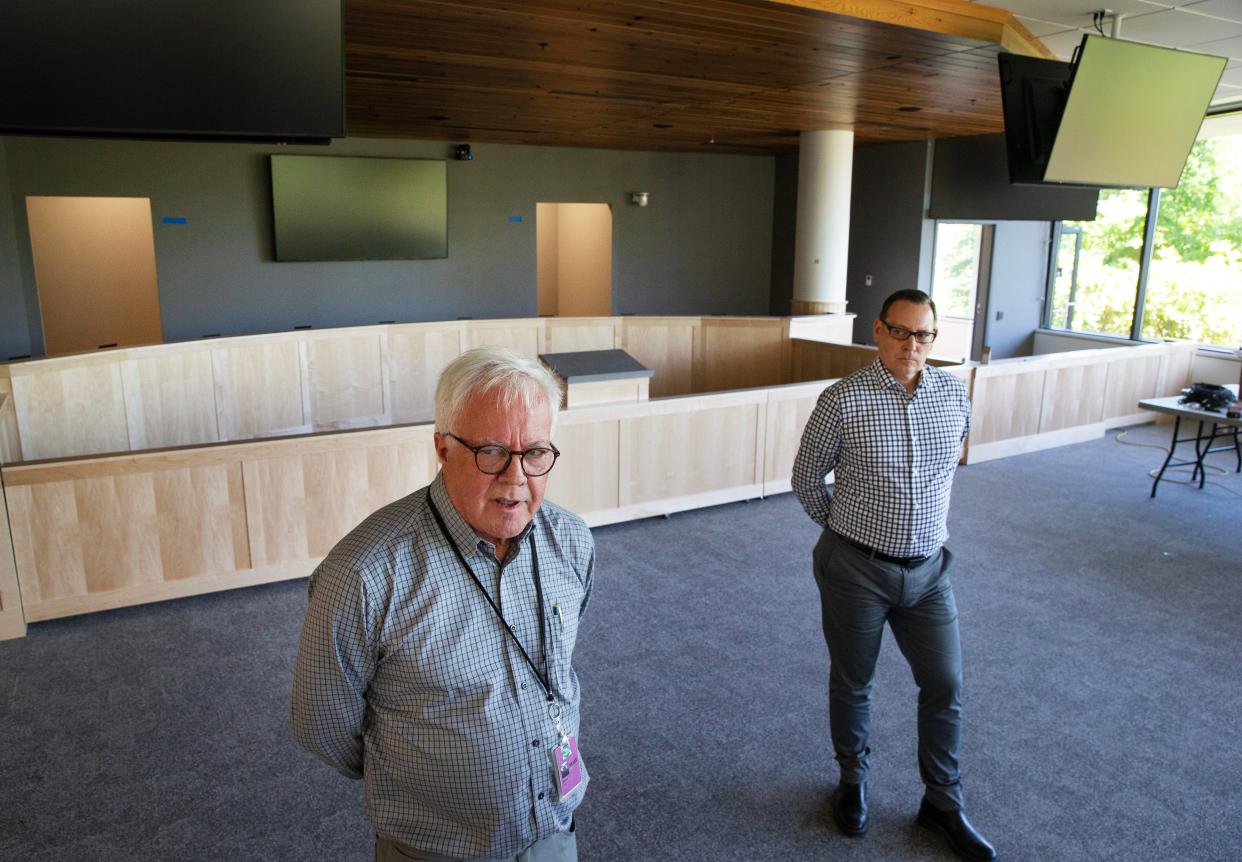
x=962, y=837
x=849, y=809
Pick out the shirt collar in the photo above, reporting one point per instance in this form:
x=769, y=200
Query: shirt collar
x=462, y=534
x=884, y=379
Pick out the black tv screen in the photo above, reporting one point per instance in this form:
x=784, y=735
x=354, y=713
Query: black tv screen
x=1033, y=92
x=356, y=208
x=1132, y=114
x=219, y=70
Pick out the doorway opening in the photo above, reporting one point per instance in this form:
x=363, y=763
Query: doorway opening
x=573, y=260
x=94, y=263
x=961, y=271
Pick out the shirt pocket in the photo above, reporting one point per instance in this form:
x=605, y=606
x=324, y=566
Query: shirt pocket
x=564, y=598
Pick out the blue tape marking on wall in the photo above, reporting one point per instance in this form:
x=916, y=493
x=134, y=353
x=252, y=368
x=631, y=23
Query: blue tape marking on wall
x=176, y=220
x=515, y=219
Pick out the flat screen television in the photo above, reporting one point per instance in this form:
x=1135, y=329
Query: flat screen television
x=359, y=208
x=1132, y=114
x=240, y=70
x=1033, y=94
x=1123, y=115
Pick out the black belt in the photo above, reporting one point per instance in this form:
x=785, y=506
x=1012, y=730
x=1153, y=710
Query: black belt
x=904, y=562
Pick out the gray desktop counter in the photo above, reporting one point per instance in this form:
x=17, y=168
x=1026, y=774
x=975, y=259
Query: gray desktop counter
x=599, y=376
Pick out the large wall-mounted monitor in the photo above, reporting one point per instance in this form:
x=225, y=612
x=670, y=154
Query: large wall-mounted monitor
x=239, y=70
x=356, y=208
x=1123, y=115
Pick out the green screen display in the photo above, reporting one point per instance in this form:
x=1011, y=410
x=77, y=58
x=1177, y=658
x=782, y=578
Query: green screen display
x=1132, y=114
x=352, y=208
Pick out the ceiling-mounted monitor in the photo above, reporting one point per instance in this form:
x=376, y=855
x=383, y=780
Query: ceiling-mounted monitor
x=1132, y=114
x=1032, y=97
x=234, y=70
x=1123, y=115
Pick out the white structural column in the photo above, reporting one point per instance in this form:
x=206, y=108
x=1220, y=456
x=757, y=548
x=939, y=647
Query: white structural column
x=821, y=247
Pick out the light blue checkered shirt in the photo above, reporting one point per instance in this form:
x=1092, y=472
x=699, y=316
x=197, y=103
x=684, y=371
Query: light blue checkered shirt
x=405, y=676
x=894, y=453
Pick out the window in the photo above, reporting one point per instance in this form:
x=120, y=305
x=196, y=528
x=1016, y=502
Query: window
x=955, y=278
x=1183, y=281
x=1194, y=285
x=1095, y=280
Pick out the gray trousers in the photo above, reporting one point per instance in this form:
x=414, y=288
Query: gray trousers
x=561, y=847
x=858, y=595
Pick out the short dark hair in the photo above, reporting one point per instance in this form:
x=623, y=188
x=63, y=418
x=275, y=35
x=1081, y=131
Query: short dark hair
x=918, y=297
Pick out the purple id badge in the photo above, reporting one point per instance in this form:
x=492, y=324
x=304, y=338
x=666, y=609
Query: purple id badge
x=567, y=767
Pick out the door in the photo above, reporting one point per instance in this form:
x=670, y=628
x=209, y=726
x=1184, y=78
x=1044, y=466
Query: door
x=94, y=262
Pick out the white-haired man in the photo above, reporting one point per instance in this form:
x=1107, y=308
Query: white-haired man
x=434, y=661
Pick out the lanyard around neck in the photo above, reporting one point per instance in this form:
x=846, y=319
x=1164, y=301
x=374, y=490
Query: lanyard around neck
x=544, y=678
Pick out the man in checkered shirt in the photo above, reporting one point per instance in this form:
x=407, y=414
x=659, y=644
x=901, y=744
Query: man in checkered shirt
x=893, y=434
x=434, y=661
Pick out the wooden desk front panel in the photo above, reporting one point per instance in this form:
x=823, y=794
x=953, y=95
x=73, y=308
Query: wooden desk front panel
x=105, y=533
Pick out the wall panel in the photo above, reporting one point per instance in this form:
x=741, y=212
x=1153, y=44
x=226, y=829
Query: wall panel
x=668, y=347
x=346, y=380
x=70, y=406
x=259, y=389
x=170, y=400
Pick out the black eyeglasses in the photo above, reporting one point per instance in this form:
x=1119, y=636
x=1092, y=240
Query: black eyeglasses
x=922, y=336
x=494, y=460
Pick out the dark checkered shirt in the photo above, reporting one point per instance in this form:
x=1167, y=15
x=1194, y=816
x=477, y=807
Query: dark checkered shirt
x=894, y=455
x=406, y=677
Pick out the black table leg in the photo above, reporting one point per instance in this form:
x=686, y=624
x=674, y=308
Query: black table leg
x=1203, y=445
x=1177, y=424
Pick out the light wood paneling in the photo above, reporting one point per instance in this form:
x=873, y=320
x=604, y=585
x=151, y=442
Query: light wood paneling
x=1177, y=369
x=519, y=335
x=585, y=478
x=1006, y=405
x=1073, y=395
x=788, y=410
x=12, y=618
x=47, y=541
x=1129, y=381
x=259, y=390
x=346, y=380
x=119, y=531
x=740, y=354
x=276, y=516
x=68, y=406
x=579, y=333
x=606, y=391
x=202, y=521
x=835, y=328
x=813, y=360
x=170, y=400
x=10, y=437
x=416, y=357
x=667, y=346
x=690, y=452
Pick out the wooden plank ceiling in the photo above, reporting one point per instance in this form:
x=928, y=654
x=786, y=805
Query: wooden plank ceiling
x=738, y=76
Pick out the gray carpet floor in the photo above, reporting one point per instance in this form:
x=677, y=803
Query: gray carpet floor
x=1102, y=632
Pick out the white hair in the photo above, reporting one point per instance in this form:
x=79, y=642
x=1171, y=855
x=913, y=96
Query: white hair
x=510, y=377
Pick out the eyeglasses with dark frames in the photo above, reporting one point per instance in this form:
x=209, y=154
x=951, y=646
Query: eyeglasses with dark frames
x=922, y=336
x=494, y=460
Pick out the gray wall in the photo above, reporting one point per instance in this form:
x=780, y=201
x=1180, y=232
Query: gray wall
x=784, y=230
x=15, y=325
x=1019, y=274
x=702, y=246
x=888, y=238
